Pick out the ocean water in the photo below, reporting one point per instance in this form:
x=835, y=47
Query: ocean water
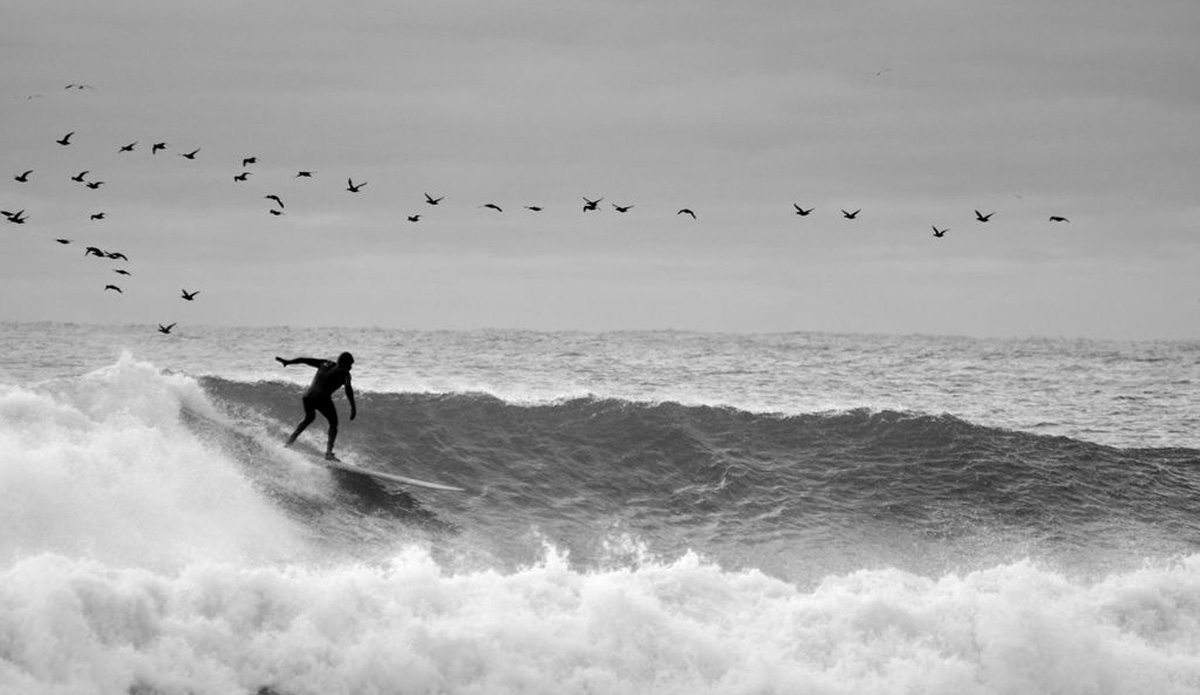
x=653, y=512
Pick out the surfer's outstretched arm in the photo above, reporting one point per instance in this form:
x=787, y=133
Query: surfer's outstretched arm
x=310, y=361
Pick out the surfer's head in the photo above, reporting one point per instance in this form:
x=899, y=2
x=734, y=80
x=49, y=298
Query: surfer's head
x=345, y=360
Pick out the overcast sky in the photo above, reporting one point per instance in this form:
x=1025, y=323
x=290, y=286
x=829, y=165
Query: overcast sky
x=918, y=113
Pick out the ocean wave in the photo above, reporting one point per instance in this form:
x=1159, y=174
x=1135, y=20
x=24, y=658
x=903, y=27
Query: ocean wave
x=718, y=477
x=156, y=537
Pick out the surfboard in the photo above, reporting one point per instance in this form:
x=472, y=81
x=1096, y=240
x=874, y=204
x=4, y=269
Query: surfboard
x=388, y=477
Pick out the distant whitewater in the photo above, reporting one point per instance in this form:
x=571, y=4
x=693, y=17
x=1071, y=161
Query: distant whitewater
x=645, y=513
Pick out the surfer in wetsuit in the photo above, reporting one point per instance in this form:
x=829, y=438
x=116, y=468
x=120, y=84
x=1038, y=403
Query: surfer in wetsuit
x=330, y=377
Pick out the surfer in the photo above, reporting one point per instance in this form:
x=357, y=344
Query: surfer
x=330, y=377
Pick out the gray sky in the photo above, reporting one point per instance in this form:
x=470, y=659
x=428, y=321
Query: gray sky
x=917, y=112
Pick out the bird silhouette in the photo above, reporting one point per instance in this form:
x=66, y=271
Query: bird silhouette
x=1056, y=218
x=275, y=198
x=189, y=155
x=23, y=177
x=431, y=200
x=414, y=218
x=982, y=217
x=686, y=211
x=939, y=233
x=165, y=329
x=93, y=251
x=304, y=174
x=242, y=176
x=851, y=215
x=275, y=212
x=97, y=216
x=121, y=271
x=66, y=139
x=801, y=211
x=17, y=217
x=117, y=255
x=94, y=184
x=534, y=208
x=590, y=204
x=248, y=161
x=352, y=187
x=622, y=208
x=157, y=147
x=190, y=296
x=127, y=148
x=79, y=177
x=113, y=287
x=492, y=206
x=63, y=241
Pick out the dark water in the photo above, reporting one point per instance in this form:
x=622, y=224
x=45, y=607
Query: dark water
x=767, y=491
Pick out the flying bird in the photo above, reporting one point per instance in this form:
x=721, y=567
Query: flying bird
x=79, y=177
x=492, y=206
x=242, y=176
x=66, y=139
x=275, y=198
x=275, y=212
x=350, y=186
x=590, y=204
x=982, y=217
x=414, y=218
x=431, y=200
x=63, y=241
x=249, y=160
x=17, y=217
x=121, y=271
x=165, y=329
x=1056, y=218
x=23, y=177
x=94, y=184
x=801, y=211
x=93, y=251
x=939, y=233
x=98, y=216
x=622, y=208
x=190, y=296
x=117, y=255
x=686, y=211
x=113, y=287
x=851, y=215
x=534, y=208
x=189, y=155
x=127, y=148
x=304, y=174
x=154, y=149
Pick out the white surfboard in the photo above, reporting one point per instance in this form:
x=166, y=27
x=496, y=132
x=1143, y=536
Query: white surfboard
x=389, y=477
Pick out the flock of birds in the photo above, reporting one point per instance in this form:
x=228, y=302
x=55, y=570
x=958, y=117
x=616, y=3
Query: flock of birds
x=278, y=207
x=21, y=216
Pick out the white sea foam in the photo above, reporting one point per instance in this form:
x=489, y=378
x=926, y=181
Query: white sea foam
x=680, y=627
x=100, y=467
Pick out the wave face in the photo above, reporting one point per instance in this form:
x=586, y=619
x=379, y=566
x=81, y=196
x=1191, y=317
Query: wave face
x=156, y=537
x=870, y=485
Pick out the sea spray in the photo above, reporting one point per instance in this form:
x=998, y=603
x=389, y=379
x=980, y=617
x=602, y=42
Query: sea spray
x=101, y=467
